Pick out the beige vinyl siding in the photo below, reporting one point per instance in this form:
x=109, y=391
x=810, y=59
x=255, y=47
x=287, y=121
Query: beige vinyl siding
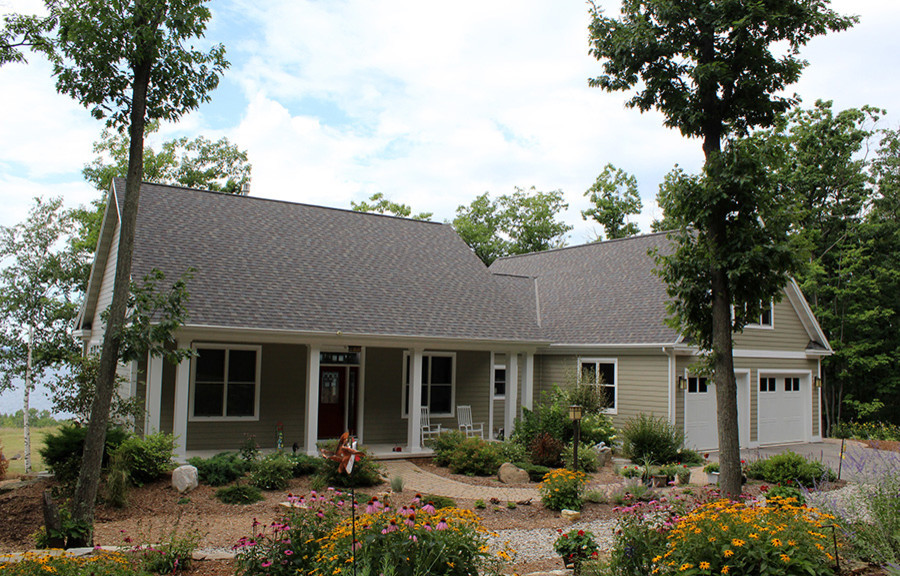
x=500, y=403
x=641, y=386
x=382, y=419
x=282, y=398
x=104, y=298
x=754, y=365
x=787, y=333
x=473, y=387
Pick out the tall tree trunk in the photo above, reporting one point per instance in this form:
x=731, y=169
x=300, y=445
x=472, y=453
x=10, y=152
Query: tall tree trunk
x=95, y=440
x=26, y=403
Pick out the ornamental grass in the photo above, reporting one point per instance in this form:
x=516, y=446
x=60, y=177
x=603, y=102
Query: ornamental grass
x=740, y=538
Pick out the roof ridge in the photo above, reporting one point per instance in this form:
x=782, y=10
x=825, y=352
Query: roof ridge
x=288, y=202
x=587, y=245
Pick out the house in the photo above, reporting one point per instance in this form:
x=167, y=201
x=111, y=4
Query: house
x=307, y=321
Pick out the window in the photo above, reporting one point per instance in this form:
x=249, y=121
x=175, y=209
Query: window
x=791, y=384
x=698, y=385
x=765, y=317
x=438, y=382
x=767, y=385
x=601, y=372
x=226, y=382
x=499, y=381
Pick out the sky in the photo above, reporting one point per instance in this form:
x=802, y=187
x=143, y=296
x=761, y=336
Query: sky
x=430, y=103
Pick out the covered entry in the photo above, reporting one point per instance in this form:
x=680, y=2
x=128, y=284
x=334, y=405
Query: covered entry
x=338, y=393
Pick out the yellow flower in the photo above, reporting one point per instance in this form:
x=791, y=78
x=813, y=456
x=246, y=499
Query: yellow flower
x=728, y=553
x=704, y=565
x=712, y=538
x=686, y=566
x=725, y=569
x=754, y=535
x=785, y=558
x=794, y=543
x=737, y=542
x=776, y=542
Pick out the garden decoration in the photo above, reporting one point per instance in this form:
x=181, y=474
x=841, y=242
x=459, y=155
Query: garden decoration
x=346, y=455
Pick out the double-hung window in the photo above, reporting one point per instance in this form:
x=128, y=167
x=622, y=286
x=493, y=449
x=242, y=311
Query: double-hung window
x=499, y=382
x=225, y=382
x=602, y=373
x=438, y=382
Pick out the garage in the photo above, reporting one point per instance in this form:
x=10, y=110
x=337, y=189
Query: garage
x=701, y=427
x=784, y=408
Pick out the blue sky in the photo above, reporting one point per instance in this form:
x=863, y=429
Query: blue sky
x=430, y=103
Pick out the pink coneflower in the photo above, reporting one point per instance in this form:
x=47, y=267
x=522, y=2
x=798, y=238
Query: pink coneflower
x=427, y=526
x=392, y=527
x=370, y=507
x=414, y=538
x=266, y=564
x=442, y=525
x=417, y=500
x=410, y=520
x=288, y=552
x=428, y=508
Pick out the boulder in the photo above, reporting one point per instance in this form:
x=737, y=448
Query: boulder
x=570, y=515
x=604, y=456
x=185, y=478
x=512, y=474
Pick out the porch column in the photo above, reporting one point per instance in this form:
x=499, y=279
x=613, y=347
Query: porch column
x=180, y=416
x=512, y=386
x=528, y=381
x=414, y=433
x=153, y=397
x=491, y=377
x=312, y=399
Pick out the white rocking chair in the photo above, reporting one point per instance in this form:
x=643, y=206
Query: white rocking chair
x=464, y=419
x=429, y=430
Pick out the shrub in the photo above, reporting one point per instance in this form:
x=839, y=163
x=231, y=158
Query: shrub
x=597, y=428
x=444, y=444
x=655, y=439
x=535, y=473
x=239, y=494
x=549, y=416
x=631, y=471
x=632, y=491
x=562, y=489
x=289, y=544
x=447, y=541
x=588, y=459
x=304, y=464
x=787, y=468
x=512, y=451
x=690, y=457
x=273, y=472
x=62, y=450
x=221, y=469
x=684, y=475
x=475, y=457
x=748, y=539
x=711, y=467
x=366, y=472
x=595, y=497
x=576, y=546
x=147, y=458
x=249, y=449
x=438, y=502
x=546, y=450
x=116, y=488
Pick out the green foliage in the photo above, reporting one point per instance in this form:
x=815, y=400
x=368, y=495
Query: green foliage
x=439, y=501
x=444, y=444
x=249, y=449
x=614, y=197
x=776, y=495
x=588, y=458
x=690, y=457
x=867, y=431
x=117, y=480
x=789, y=468
x=711, y=467
x=535, y=473
x=480, y=505
x=632, y=491
x=70, y=531
x=511, y=451
x=595, y=497
x=99, y=563
x=272, y=472
x=576, y=546
x=381, y=205
x=551, y=416
x=475, y=457
x=304, y=464
x=562, y=489
x=73, y=391
x=147, y=458
x=647, y=438
x=397, y=484
x=366, y=472
x=36, y=418
x=63, y=448
x=173, y=554
x=511, y=505
x=522, y=222
x=546, y=450
x=221, y=469
x=239, y=494
x=597, y=428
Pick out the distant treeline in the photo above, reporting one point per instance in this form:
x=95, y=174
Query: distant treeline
x=38, y=419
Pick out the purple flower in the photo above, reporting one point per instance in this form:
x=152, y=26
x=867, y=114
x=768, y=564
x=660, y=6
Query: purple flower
x=428, y=508
x=442, y=525
x=288, y=552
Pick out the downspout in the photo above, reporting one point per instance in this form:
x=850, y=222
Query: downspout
x=670, y=353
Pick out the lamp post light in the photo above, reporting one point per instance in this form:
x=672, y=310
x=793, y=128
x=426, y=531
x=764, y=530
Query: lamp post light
x=575, y=417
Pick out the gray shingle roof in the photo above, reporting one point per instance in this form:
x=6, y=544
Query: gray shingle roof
x=276, y=265
x=601, y=293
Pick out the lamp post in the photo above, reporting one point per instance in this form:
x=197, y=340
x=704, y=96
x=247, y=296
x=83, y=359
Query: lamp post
x=575, y=417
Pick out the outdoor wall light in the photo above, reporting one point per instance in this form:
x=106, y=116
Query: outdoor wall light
x=817, y=381
x=682, y=382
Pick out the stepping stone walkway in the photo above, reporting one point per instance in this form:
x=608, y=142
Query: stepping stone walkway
x=418, y=480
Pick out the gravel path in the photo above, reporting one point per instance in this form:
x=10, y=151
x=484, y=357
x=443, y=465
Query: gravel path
x=537, y=544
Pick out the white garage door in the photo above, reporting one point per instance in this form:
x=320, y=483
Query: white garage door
x=701, y=427
x=783, y=406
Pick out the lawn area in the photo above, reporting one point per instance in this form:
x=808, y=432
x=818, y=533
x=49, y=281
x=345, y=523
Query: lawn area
x=12, y=442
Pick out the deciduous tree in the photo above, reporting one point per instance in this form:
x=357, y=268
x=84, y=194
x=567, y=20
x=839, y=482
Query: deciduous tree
x=378, y=204
x=614, y=197
x=716, y=70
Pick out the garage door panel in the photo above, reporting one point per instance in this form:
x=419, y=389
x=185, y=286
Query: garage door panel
x=782, y=408
x=701, y=427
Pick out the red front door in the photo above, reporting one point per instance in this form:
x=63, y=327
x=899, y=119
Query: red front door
x=332, y=390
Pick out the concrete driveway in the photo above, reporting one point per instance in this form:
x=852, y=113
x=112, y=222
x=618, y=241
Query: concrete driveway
x=859, y=463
